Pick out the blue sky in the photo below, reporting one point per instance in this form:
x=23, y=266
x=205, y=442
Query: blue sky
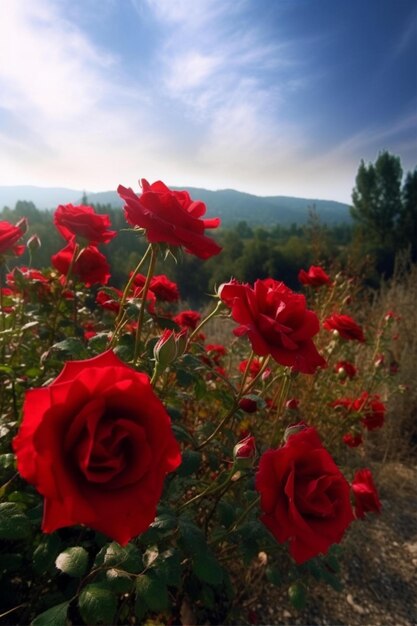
x=272, y=97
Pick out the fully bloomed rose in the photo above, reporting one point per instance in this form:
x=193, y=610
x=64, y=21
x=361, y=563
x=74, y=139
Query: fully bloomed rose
x=314, y=277
x=10, y=235
x=90, y=266
x=276, y=321
x=345, y=326
x=188, y=319
x=164, y=289
x=82, y=221
x=305, y=498
x=369, y=408
x=170, y=217
x=365, y=493
x=97, y=444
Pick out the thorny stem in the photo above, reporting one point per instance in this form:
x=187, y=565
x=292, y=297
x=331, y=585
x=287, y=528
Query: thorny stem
x=210, y=489
x=75, y=257
x=280, y=397
x=204, y=322
x=151, y=268
x=243, y=390
x=119, y=318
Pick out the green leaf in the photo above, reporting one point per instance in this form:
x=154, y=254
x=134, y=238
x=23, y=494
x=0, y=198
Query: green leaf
x=191, y=460
x=153, y=591
x=192, y=538
x=184, y=378
x=97, y=605
x=55, y=616
x=127, y=558
x=14, y=524
x=118, y=580
x=73, y=561
x=181, y=434
x=10, y=562
x=297, y=595
x=274, y=575
x=71, y=346
x=168, y=567
x=207, y=597
x=7, y=460
x=46, y=552
x=226, y=513
x=165, y=522
x=207, y=569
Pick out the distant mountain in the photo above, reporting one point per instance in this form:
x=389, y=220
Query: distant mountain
x=230, y=205
x=42, y=197
x=235, y=206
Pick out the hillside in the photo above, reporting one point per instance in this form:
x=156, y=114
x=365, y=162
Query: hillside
x=232, y=206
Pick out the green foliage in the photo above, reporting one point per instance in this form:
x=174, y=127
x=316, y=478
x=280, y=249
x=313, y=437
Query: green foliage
x=73, y=561
x=55, y=616
x=97, y=604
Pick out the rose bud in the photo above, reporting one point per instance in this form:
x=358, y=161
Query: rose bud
x=33, y=243
x=248, y=404
x=244, y=452
x=165, y=350
x=293, y=430
x=292, y=404
x=379, y=361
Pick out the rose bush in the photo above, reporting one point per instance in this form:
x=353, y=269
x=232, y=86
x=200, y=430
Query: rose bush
x=97, y=444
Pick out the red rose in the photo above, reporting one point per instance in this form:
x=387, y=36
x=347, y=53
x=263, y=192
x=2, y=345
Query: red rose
x=164, y=289
x=83, y=222
x=373, y=411
x=97, y=444
x=10, y=235
x=109, y=302
x=217, y=349
x=254, y=368
x=345, y=369
x=90, y=266
x=370, y=409
x=315, y=277
x=170, y=217
x=351, y=440
x=365, y=494
x=345, y=326
x=188, y=319
x=305, y=498
x=277, y=322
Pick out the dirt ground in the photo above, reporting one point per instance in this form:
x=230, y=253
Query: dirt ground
x=379, y=567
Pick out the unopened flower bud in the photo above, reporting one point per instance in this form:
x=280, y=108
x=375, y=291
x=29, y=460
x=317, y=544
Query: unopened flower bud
x=23, y=225
x=33, y=243
x=248, y=404
x=165, y=349
x=244, y=452
x=379, y=361
x=293, y=430
x=292, y=404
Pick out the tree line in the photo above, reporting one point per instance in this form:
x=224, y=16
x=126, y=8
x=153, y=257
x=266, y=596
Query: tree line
x=384, y=211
